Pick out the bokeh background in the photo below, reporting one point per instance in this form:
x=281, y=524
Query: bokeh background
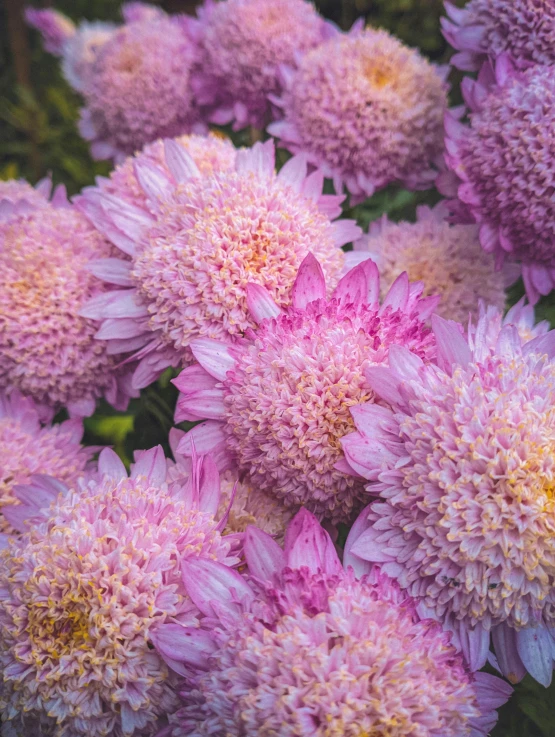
x=38, y=136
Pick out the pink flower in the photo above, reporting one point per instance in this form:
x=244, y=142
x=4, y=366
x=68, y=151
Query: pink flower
x=82, y=592
x=301, y=647
x=525, y=29
x=448, y=259
x=197, y=244
x=55, y=28
x=242, y=44
x=18, y=197
x=500, y=168
x=47, y=350
x=278, y=401
x=461, y=460
x=367, y=110
x=29, y=445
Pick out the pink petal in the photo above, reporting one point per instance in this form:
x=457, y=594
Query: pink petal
x=206, y=404
x=367, y=547
x=293, y=173
x=542, y=345
x=359, y=566
x=153, y=181
x=452, y=347
x=308, y=544
x=206, y=436
x=474, y=644
x=152, y=465
x=260, y=303
x=112, y=270
x=123, y=303
x=90, y=204
x=213, y=356
x=384, y=384
x=345, y=231
x=121, y=329
x=209, y=486
x=188, y=645
x=111, y=465
x=131, y=221
x=260, y=160
x=491, y=691
x=535, y=647
x=179, y=161
x=504, y=644
x=264, y=557
x=398, y=295
x=208, y=582
x=310, y=283
x=361, y=284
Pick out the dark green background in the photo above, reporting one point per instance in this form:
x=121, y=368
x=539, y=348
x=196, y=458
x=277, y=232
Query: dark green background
x=38, y=113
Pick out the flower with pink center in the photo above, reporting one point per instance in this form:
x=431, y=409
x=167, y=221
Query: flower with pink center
x=448, y=259
x=47, y=350
x=500, y=172
x=138, y=88
x=525, y=29
x=241, y=503
x=242, y=45
x=302, y=647
x=211, y=153
x=18, y=197
x=367, y=110
x=82, y=592
x=278, y=402
x=461, y=458
x=54, y=27
x=197, y=244
x=31, y=445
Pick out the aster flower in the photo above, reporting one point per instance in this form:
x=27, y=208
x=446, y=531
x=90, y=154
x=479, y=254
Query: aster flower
x=242, y=504
x=525, y=29
x=81, y=592
x=199, y=242
x=367, y=110
x=500, y=168
x=47, y=350
x=277, y=402
x=448, y=259
x=30, y=445
x=211, y=153
x=462, y=464
x=302, y=647
x=138, y=87
x=54, y=27
x=243, y=42
x=18, y=197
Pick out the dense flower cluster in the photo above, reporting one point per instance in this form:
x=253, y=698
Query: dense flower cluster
x=342, y=397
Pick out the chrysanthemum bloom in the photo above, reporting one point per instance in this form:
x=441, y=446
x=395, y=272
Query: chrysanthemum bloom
x=448, y=259
x=47, y=350
x=138, y=87
x=243, y=42
x=304, y=648
x=241, y=503
x=367, y=110
x=278, y=401
x=13, y=192
x=30, y=446
x=211, y=153
x=462, y=461
x=500, y=168
x=198, y=244
x=54, y=27
x=81, y=593
x=525, y=29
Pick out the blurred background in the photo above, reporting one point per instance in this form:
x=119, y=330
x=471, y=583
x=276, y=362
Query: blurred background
x=38, y=135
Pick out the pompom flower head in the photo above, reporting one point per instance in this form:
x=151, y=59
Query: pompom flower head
x=243, y=42
x=198, y=243
x=82, y=592
x=29, y=445
x=367, y=110
x=448, y=259
x=138, y=86
x=500, y=168
x=301, y=647
x=47, y=350
x=525, y=29
x=462, y=463
x=278, y=402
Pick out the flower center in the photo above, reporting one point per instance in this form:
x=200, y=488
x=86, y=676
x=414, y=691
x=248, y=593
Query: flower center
x=57, y=628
